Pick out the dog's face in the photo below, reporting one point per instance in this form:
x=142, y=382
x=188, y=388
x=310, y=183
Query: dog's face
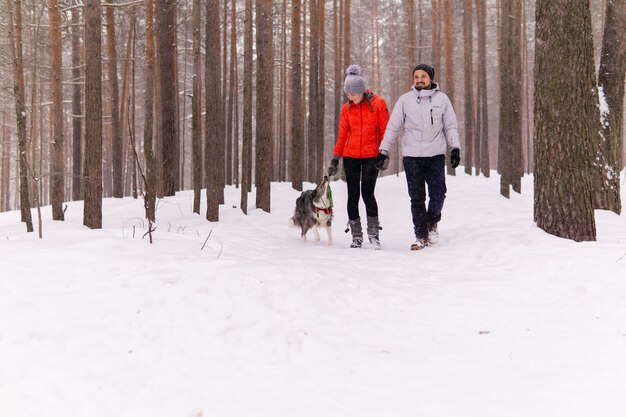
x=323, y=195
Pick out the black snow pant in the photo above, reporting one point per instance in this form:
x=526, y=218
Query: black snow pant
x=422, y=172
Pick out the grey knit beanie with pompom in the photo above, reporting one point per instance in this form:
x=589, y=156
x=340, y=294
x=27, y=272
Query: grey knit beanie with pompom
x=354, y=83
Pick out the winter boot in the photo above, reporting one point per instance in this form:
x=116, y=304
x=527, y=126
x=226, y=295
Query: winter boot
x=373, y=228
x=433, y=234
x=420, y=243
x=357, y=233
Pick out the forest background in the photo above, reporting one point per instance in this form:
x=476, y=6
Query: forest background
x=147, y=98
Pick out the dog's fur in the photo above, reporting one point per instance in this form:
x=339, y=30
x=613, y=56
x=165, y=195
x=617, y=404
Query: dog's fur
x=314, y=209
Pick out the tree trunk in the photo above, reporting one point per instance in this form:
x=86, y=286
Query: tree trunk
x=564, y=108
x=312, y=129
x=516, y=84
x=213, y=94
x=133, y=91
x=92, y=216
x=246, y=151
x=77, y=108
x=15, y=40
x=282, y=116
x=347, y=60
x=510, y=150
x=232, y=96
x=182, y=122
x=397, y=68
x=43, y=140
x=148, y=147
x=526, y=98
x=125, y=112
x=224, y=87
x=176, y=174
x=227, y=101
x=5, y=163
x=420, y=41
x=304, y=66
x=264, y=103
x=337, y=45
x=611, y=84
x=448, y=73
x=116, y=128
x=166, y=26
x=448, y=41
x=468, y=64
x=234, y=91
x=321, y=90
x=158, y=122
x=411, y=31
x=297, y=145
x=31, y=150
x=476, y=140
x=56, y=151
x=377, y=70
x=482, y=118
x=196, y=106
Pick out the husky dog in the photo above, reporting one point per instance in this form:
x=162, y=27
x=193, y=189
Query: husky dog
x=314, y=208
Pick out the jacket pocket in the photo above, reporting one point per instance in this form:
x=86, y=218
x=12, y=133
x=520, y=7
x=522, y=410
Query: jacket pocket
x=436, y=117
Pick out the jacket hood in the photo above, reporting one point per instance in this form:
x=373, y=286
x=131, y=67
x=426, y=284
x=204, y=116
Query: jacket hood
x=426, y=92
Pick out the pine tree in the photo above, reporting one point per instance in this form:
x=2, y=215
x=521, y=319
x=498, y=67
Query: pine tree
x=564, y=108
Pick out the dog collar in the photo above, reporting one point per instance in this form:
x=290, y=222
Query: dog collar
x=325, y=210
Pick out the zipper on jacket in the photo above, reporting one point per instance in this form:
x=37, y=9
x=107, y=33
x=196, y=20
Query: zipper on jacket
x=361, y=141
x=432, y=122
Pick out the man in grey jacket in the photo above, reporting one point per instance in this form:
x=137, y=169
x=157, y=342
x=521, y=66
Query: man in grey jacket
x=430, y=129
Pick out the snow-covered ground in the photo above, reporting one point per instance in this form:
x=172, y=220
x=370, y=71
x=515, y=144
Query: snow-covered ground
x=499, y=319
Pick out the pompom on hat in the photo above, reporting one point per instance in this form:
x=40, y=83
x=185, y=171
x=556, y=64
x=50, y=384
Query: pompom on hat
x=354, y=83
x=427, y=69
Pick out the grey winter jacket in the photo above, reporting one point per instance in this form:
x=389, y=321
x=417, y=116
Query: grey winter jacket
x=429, y=123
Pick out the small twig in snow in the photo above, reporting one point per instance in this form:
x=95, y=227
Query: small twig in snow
x=149, y=232
x=205, y=240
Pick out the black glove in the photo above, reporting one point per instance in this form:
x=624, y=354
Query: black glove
x=334, y=166
x=382, y=161
x=455, y=157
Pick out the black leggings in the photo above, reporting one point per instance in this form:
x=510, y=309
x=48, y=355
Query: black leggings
x=361, y=175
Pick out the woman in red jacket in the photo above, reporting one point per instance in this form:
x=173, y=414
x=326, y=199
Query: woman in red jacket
x=362, y=125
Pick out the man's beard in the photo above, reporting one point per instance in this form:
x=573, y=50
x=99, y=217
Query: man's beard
x=421, y=86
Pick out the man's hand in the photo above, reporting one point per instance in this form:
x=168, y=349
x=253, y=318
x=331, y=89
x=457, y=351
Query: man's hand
x=455, y=157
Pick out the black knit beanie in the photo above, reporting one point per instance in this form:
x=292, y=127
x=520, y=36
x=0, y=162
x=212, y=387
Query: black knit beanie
x=427, y=69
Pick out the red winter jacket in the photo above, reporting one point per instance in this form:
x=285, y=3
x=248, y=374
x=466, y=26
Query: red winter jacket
x=361, y=127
